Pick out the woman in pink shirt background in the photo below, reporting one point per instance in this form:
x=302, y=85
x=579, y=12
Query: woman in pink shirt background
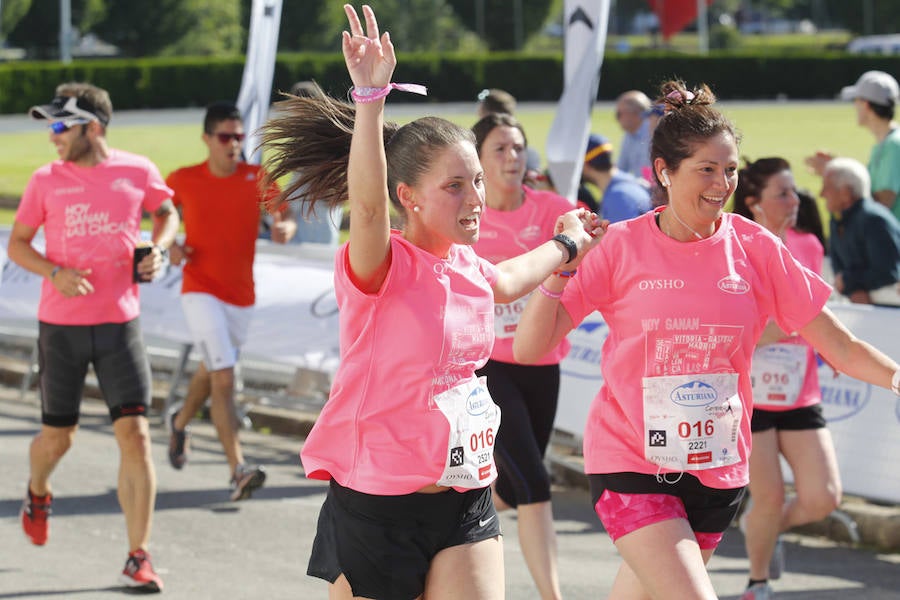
x=406, y=437
x=516, y=219
x=686, y=291
x=787, y=412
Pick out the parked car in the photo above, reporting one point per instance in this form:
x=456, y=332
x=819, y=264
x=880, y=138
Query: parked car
x=875, y=44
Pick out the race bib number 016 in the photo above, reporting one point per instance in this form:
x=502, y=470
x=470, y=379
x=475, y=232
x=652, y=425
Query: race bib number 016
x=474, y=420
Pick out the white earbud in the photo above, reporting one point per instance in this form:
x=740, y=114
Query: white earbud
x=665, y=178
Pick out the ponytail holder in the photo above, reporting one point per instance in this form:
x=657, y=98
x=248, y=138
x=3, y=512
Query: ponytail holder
x=365, y=95
x=686, y=96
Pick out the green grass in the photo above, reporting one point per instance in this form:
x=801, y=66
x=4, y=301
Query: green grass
x=792, y=131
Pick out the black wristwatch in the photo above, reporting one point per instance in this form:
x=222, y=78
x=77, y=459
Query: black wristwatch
x=567, y=243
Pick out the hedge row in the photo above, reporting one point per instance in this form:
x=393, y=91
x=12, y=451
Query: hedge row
x=179, y=82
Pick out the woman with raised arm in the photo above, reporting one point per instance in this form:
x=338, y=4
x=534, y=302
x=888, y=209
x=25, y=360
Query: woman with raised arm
x=686, y=291
x=406, y=437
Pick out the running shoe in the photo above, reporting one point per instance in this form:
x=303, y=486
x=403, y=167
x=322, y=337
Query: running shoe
x=35, y=511
x=758, y=591
x=776, y=564
x=179, y=443
x=245, y=481
x=138, y=573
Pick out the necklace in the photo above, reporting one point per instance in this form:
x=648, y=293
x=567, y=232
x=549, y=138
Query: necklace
x=683, y=224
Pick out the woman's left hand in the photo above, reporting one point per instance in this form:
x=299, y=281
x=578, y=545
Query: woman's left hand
x=585, y=228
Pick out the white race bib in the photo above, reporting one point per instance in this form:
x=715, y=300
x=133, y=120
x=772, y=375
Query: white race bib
x=474, y=420
x=692, y=422
x=777, y=374
x=506, y=317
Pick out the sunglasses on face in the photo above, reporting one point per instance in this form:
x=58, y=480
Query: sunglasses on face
x=225, y=138
x=58, y=127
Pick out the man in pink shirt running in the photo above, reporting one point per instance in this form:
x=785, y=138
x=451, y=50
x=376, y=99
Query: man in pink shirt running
x=89, y=204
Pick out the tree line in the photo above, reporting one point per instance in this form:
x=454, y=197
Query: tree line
x=143, y=28
x=219, y=27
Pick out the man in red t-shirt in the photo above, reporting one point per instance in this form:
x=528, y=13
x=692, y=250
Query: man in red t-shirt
x=220, y=203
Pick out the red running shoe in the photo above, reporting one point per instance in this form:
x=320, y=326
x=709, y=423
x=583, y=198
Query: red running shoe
x=35, y=510
x=139, y=574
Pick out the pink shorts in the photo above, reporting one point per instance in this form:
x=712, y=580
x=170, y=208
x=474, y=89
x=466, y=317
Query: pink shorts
x=623, y=513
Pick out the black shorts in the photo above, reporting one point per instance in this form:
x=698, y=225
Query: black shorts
x=384, y=545
x=709, y=510
x=797, y=419
x=527, y=396
x=116, y=350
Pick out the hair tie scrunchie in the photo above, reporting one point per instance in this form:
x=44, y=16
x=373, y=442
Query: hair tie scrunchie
x=685, y=96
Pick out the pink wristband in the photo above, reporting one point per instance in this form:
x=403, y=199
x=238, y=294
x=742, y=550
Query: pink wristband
x=365, y=95
x=548, y=293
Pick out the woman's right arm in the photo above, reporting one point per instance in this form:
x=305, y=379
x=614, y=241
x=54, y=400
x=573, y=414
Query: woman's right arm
x=370, y=61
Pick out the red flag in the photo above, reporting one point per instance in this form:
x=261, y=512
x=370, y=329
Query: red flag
x=674, y=15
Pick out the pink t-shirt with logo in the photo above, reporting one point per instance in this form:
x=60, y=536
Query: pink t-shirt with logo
x=808, y=251
x=682, y=309
x=92, y=218
x=505, y=234
x=427, y=329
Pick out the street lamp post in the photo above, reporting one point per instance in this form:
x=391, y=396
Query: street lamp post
x=65, y=31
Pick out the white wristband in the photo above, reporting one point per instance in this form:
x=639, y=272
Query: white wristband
x=895, y=382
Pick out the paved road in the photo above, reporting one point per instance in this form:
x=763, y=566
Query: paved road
x=19, y=123
x=206, y=547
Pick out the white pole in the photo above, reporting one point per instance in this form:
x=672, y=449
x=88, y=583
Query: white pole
x=65, y=31
x=702, y=28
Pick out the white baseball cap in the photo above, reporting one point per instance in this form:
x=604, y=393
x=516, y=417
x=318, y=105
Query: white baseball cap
x=877, y=87
x=69, y=107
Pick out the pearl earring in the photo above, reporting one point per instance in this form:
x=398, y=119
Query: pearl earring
x=416, y=208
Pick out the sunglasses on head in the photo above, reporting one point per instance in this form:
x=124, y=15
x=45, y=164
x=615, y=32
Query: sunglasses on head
x=59, y=127
x=225, y=138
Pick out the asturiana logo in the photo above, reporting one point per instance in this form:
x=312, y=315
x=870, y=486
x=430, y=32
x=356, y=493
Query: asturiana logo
x=733, y=284
x=694, y=393
x=477, y=402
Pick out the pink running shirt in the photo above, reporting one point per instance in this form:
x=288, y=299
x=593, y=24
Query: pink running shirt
x=505, y=234
x=682, y=309
x=428, y=329
x=92, y=218
x=808, y=251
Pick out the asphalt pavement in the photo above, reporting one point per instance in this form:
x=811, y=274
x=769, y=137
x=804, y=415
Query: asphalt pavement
x=206, y=547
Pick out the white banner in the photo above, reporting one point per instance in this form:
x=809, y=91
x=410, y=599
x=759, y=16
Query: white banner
x=255, y=95
x=295, y=319
x=585, y=38
x=864, y=420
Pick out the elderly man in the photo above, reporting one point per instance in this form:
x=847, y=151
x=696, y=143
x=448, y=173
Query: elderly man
x=632, y=108
x=865, y=237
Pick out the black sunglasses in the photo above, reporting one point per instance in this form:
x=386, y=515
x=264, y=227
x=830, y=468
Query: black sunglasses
x=225, y=138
